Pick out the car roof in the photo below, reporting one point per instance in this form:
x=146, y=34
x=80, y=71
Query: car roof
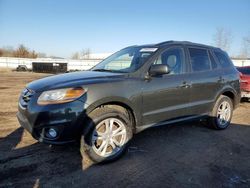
x=171, y=42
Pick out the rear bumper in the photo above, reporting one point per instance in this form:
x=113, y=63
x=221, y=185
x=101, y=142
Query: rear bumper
x=245, y=94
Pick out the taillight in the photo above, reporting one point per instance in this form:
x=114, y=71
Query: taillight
x=244, y=81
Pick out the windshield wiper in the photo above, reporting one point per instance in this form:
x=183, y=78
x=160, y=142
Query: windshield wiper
x=107, y=70
x=101, y=70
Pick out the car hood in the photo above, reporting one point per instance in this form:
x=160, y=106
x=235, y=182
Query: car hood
x=74, y=79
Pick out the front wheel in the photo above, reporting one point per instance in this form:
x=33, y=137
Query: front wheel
x=109, y=134
x=222, y=113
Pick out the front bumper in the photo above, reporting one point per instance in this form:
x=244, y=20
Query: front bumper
x=67, y=119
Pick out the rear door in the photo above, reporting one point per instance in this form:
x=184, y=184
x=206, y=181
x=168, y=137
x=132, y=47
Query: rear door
x=206, y=78
x=167, y=96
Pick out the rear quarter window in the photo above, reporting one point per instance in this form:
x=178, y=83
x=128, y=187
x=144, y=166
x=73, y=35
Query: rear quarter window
x=223, y=59
x=199, y=60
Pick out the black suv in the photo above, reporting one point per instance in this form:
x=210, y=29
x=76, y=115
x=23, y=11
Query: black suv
x=135, y=88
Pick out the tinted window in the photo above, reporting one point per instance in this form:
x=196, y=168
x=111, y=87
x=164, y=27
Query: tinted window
x=244, y=70
x=223, y=59
x=174, y=58
x=213, y=62
x=199, y=59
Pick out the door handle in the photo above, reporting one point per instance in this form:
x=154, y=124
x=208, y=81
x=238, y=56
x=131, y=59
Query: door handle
x=185, y=85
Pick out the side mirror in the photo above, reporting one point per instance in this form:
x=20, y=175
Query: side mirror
x=159, y=69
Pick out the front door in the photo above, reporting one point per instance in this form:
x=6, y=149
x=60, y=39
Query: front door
x=166, y=97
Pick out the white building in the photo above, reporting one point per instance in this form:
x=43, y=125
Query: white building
x=240, y=62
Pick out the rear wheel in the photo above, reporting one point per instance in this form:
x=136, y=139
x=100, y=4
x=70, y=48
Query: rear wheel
x=110, y=131
x=222, y=113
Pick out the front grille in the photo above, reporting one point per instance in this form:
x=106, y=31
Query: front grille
x=25, y=97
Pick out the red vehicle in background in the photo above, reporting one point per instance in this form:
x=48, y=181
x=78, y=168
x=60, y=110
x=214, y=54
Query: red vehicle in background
x=245, y=81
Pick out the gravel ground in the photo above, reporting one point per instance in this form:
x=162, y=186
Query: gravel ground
x=181, y=155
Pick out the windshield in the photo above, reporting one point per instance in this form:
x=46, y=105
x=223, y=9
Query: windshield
x=126, y=60
x=244, y=70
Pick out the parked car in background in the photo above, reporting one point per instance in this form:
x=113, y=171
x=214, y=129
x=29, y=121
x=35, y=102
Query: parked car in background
x=244, y=81
x=136, y=88
x=22, y=68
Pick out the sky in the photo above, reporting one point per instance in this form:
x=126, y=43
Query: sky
x=62, y=27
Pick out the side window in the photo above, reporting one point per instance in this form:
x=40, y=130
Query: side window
x=174, y=58
x=213, y=62
x=223, y=59
x=199, y=60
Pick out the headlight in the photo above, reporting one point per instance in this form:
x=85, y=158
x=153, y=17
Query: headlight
x=59, y=96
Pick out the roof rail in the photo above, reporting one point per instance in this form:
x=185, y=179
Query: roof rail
x=165, y=42
x=172, y=41
x=187, y=43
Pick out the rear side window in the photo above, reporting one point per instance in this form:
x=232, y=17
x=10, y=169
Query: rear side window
x=223, y=59
x=199, y=60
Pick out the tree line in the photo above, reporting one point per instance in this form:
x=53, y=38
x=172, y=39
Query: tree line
x=20, y=51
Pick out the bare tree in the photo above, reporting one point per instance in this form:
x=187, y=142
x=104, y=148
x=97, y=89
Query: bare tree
x=245, y=48
x=21, y=51
x=33, y=54
x=75, y=55
x=223, y=38
x=86, y=53
x=7, y=51
x=1, y=52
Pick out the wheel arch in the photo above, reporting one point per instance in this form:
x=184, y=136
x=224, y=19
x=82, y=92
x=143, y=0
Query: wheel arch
x=229, y=92
x=117, y=103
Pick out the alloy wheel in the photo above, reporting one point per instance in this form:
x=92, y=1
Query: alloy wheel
x=224, y=113
x=108, y=137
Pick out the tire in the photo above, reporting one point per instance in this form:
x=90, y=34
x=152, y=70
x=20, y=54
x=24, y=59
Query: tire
x=222, y=113
x=18, y=69
x=104, y=123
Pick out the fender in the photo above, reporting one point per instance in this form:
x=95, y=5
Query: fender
x=118, y=101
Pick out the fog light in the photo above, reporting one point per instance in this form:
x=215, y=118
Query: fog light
x=52, y=133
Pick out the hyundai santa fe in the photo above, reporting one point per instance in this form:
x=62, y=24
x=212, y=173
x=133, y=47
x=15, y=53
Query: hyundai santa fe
x=135, y=88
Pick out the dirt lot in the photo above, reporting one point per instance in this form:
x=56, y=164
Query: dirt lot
x=186, y=155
